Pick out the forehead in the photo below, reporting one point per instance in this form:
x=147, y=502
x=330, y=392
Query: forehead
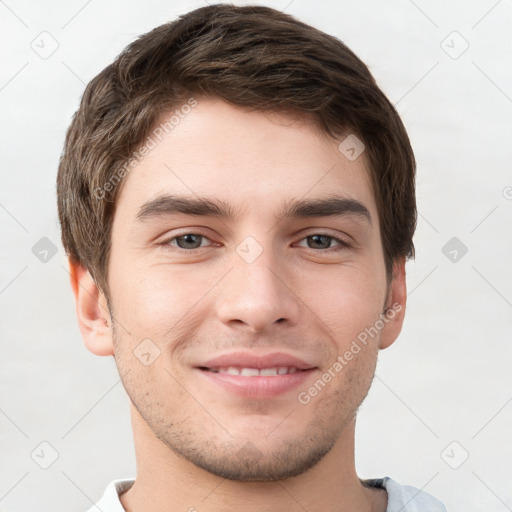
x=251, y=160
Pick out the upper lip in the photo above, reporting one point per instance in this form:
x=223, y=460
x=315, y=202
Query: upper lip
x=252, y=360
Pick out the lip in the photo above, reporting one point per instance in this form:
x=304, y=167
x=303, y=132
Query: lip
x=251, y=360
x=256, y=386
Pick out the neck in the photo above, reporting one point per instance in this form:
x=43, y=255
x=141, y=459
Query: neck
x=167, y=481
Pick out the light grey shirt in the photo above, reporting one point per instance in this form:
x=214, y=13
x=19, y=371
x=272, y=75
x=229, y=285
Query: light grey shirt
x=401, y=498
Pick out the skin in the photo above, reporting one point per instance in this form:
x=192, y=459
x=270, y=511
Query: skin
x=309, y=299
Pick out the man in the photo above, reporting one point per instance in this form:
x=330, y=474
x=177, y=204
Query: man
x=237, y=202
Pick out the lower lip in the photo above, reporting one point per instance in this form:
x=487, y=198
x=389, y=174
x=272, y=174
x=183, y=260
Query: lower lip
x=258, y=386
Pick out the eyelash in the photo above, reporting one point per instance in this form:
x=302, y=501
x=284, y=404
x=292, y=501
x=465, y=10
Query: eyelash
x=342, y=244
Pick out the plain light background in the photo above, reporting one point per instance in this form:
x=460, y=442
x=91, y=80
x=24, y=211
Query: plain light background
x=442, y=392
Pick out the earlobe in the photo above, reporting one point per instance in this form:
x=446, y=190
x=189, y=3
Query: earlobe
x=395, y=306
x=92, y=311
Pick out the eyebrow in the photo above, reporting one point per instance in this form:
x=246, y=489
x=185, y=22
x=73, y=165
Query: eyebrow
x=332, y=206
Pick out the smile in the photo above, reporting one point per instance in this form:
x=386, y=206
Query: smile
x=254, y=372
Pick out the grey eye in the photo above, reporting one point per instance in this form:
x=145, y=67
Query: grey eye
x=189, y=241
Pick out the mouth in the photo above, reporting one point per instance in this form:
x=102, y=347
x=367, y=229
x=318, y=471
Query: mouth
x=253, y=372
x=256, y=376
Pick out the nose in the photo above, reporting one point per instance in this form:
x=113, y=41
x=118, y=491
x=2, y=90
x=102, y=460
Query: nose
x=257, y=295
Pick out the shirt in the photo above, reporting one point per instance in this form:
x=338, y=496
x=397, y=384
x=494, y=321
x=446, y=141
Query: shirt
x=401, y=498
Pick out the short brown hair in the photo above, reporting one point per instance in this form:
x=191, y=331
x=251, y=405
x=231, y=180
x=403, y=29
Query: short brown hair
x=254, y=57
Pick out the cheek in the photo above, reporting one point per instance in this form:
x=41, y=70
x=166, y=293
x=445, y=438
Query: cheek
x=347, y=300
x=158, y=299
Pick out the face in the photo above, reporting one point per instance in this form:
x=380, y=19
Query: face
x=245, y=260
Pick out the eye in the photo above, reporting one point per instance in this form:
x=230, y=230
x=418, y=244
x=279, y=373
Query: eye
x=323, y=241
x=187, y=241
x=190, y=242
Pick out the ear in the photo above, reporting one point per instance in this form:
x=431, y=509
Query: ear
x=395, y=306
x=92, y=311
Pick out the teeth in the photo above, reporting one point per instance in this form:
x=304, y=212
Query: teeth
x=249, y=372
x=253, y=372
